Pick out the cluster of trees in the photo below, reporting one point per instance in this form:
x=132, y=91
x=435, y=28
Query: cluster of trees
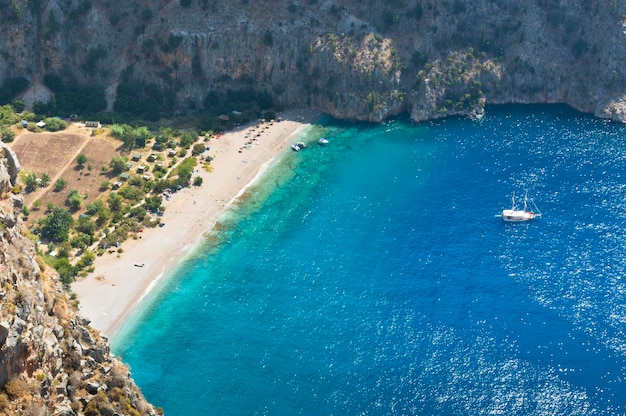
x=132, y=137
x=12, y=87
x=32, y=182
x=138, y=100
x=72, y=99
x=113, y=217
x=240, y=106
x=108, y=220
x=8, y=117
x=56, y=228
x=67, y=98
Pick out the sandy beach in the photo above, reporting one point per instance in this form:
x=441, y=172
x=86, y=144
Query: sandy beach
x=120, y=281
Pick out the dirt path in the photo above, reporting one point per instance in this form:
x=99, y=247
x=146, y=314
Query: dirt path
x=42, y=191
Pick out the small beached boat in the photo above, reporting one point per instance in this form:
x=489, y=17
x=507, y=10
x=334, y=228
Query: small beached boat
x=295, y=147
x=527, y=213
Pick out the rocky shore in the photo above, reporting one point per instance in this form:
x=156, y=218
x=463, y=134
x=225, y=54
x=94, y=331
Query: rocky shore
x=51, y=361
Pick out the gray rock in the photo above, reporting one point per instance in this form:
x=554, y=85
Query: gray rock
x=92, y=387
x=4, y=332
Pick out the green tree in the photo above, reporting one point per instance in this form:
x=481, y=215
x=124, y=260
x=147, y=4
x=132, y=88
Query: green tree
x=153, y=203
x=197, y=149
x=64, y=250
x=87, y=258
x=81, y=159
x=165, y=135
x=131, y=193
x=142, y=135
x=57, y=225
x=86, y=225
x=74, y=200
x=125, y=133
x=44, y=180
x=60, y=185
x=18, y=105
x=118, y=130
x=65, y=270
x=6, y=135
x=55, y=124
x=30, y=181
x=100, y=210
x=115, y=202
x=96, y=207
x=187, y=139
x=118, y=164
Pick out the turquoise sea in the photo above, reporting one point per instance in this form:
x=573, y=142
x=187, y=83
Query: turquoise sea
x=372, y=276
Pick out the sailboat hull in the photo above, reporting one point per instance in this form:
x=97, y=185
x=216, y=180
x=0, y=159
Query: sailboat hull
x=512, y=215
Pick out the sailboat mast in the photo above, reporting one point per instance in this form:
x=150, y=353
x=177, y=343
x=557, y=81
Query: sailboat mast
x=526, y=201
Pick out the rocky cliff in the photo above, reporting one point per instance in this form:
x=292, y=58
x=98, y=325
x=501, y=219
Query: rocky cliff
x=51, y=361
x=354, y=59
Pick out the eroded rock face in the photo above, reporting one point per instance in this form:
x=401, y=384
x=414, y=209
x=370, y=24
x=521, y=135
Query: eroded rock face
x=51, y=361
x=353, y=59
x=9, y=169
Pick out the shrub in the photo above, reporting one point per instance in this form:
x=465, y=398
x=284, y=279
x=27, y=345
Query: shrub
x=7, y=135
x=55, y=124
x=4, y=401
x=16, y=388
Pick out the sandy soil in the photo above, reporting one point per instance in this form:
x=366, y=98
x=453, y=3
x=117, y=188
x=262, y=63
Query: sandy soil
x=55, y=154
x=121, y=281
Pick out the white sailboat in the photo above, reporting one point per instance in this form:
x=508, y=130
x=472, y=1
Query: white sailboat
x=527, y=213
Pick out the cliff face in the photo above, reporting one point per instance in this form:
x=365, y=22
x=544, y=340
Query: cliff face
x=51, y=361
x=355, y=59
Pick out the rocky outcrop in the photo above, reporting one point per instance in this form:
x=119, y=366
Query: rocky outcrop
x=51, y=361
x=353, y=59
x=11, y=168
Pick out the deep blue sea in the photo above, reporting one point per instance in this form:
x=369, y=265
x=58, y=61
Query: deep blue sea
x=372, y=276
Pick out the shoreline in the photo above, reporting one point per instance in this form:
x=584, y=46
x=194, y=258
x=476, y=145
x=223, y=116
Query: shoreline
x=121, y=281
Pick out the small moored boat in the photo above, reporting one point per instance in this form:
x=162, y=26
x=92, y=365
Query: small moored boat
x=322, y=141
x=527, y=213
x=295, y=147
